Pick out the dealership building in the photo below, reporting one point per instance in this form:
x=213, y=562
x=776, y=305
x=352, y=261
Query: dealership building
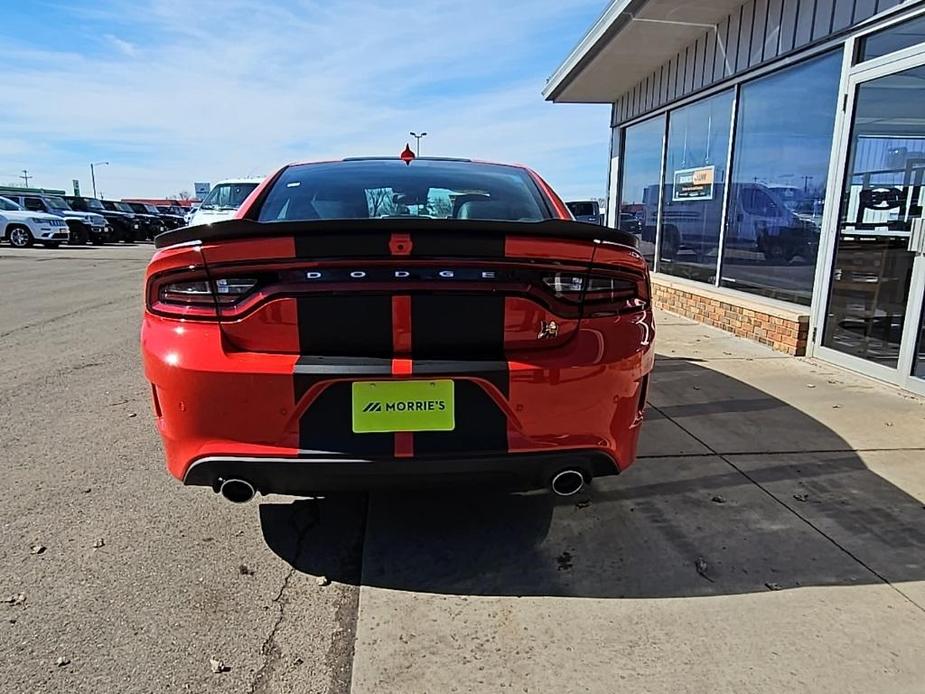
x=770, y=156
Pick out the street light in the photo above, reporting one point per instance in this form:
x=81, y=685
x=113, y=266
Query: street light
x=93, y=173
x=418, y=138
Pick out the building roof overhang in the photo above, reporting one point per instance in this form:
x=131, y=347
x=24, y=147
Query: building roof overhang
x=628, y=41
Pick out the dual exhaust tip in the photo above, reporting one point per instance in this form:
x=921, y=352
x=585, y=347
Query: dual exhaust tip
x=237, y=491
x=568, y=482
x=565, y=483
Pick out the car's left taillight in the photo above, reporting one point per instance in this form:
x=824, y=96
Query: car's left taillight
x=195, y=295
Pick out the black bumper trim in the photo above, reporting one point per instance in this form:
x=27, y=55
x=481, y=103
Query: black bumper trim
x=319, y=473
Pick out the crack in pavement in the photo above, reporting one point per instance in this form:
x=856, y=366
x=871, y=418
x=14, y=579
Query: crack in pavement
x=70, y=314
x=270, y=650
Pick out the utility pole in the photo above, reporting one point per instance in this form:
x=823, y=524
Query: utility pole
x=93, y=173
x=25, y=176
x=418, y=146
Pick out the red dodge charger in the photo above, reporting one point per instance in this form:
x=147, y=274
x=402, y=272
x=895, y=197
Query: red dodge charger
x=396, y=322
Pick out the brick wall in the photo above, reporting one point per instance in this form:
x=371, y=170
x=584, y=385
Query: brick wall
x=776, y=329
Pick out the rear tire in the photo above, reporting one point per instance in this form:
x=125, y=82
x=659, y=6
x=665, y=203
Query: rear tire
x=20, y=236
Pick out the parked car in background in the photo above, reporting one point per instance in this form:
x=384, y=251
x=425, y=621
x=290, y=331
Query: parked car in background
x=120, y=207
x=586, y=211
x=82, y=226
x=224, y=200
x=174, y=216
x=123, y=226
x=22, y=227
x=630, y=224
x=150, y=219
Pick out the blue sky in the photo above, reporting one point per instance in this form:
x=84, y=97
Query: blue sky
x=171, y=92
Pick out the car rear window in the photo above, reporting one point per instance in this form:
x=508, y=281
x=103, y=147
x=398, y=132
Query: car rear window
x=369, y=189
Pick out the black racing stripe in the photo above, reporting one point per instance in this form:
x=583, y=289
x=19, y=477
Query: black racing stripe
x=457, y=245
x=469, y=326
x=359, y=244
x=352, y=325
x=481, y=426
x=495, y=372
x=327, y=426
x=310, y=370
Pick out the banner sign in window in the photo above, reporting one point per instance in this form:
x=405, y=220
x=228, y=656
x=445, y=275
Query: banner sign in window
x=693, y=184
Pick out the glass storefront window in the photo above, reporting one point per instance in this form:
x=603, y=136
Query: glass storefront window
x=892, y=39
x=783, y=142
x=642, y=164
x=698, y=144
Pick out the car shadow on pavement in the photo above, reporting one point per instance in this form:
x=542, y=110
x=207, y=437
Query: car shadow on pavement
x=671, y=526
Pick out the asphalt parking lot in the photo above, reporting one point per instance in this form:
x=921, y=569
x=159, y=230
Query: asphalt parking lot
x=770, y=538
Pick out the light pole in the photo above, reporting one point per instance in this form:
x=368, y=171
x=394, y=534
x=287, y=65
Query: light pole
x=418, y=138
x=93, y=173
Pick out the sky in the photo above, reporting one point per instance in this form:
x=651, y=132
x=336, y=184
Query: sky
x=170, y=92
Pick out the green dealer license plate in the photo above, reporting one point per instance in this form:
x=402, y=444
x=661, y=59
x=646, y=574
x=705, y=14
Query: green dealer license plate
x=382, y=406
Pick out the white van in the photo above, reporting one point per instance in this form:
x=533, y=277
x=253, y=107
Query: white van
x=224, y=200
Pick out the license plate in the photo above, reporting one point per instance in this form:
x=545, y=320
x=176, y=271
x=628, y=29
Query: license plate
x=383, y=406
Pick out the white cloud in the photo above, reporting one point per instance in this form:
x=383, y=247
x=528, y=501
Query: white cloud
x=125, y=47
x=233, y=87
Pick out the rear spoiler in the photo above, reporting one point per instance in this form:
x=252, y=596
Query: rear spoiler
x=247, y=228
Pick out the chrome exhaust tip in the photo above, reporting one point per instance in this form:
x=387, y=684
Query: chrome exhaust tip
x=237, y=491
x=568, y=482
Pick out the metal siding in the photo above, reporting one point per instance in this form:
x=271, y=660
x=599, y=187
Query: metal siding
x=772, y=30
x=758, y=35
x=756, y=32
x=719, y=61
x=841, y=17
x=732, y=40
x=864, y=9
x=745, y=35
x=822, y=25
x=697, y=78
x=788, y=25
x=886, y=4
x=805, y=19
x=709, y=55
x=657, y=87
x=676, y=88
x=663, y=85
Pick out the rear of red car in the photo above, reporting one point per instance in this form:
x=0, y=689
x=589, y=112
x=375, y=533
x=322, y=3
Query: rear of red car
x=369, y=323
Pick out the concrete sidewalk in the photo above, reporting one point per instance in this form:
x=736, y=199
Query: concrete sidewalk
x=770, y=538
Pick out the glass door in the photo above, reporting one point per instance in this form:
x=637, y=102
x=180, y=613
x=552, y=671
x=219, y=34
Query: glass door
x=873, y=316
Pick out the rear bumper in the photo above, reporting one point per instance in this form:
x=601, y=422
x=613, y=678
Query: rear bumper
x=259, y=415
x=319, y=474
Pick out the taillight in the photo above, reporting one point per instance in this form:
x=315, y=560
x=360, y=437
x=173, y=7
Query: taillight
x=193, y=296
x=600, y=294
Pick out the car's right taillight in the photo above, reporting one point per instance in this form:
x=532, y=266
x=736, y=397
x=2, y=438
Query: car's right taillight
x=602, y=292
